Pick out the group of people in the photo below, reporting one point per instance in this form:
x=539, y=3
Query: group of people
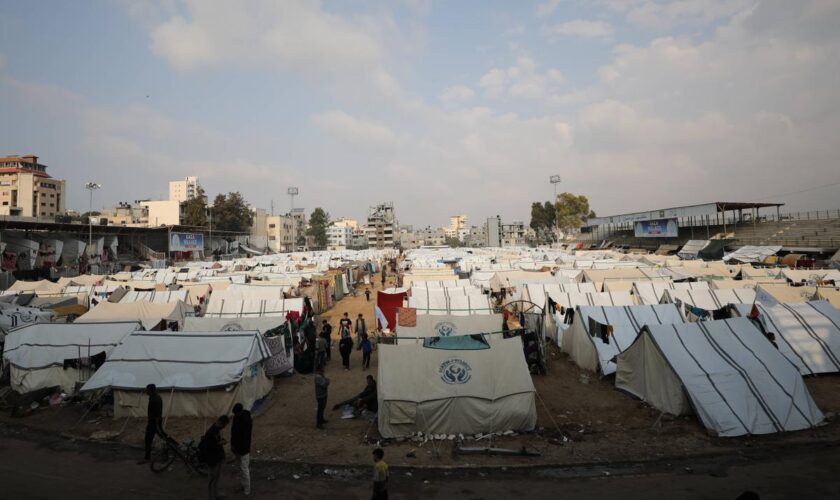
x=346, y=329
x=367, y=400
x=211, y=450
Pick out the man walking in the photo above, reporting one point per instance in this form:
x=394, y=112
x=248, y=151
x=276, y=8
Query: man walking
x=345, y=343
x=344, y=326
x=380, y=475
x=367, y=294
x=240, y=445
x=320, y=352
x=212, y=449
x=326, y=332
x=321, y=385
x=154, y=420
x=361, y=328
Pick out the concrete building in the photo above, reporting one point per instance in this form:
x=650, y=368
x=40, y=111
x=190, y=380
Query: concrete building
x=514, y=234
x=431, y=237
x=184, y=190
x=477, y=237
x=493, y=230
x=339, y=237
x=456, y=224
x=274, y=232
x=124, y=214
x=346, y=222
x=407, y=240
x=300, y=239
x=27, y=190
x=164, y=212
x=358, y=240
x=382, y=226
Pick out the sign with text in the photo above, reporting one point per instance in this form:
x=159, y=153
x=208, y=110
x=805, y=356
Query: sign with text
x=186, y=242
x=657, y=228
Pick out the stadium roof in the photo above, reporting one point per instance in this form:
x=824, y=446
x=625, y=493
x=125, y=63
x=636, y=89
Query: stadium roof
x=710, y=209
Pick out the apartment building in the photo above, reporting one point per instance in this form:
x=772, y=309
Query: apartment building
x=27, y=190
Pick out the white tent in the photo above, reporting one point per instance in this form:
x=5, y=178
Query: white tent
x=807, y=333
x=443, y=391
x=15, y=316
x=261, y=324
x=157, y=297
x=430, y=325
x=732, y=377
x=750, y=254
x=554, y=326
x=238, y=308
x=596, y=352
x=442, y=304
x=650, y=292
x=709, y=300
x=197, y=373
x=150, y=315
x=37, y=353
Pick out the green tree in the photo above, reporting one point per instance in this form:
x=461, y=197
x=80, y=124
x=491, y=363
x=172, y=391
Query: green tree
x=231, y=213
x=318, y=223
x=543, y=218
x=572, y=211
x=453, y=242
x=195, y=210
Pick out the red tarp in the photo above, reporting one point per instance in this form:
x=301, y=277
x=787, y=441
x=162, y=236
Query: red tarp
x=388, y=304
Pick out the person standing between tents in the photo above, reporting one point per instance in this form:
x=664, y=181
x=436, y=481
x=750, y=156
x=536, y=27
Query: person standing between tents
x=380, y=475
x=240, y=445
x=320, y=352
x=367, y=347
x=367, y=294
x=345, y=343
x=326, y=333
x=361, y=328
x=384, y=274
x=154, y=420
x=321, y=385
x=212, y=451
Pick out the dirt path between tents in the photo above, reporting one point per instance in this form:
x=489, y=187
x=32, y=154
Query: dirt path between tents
x=581, y=419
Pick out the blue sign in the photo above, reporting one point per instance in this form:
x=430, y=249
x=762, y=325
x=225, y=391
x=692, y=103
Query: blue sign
x=657, y=228
x=455, y=371
x=186, y=242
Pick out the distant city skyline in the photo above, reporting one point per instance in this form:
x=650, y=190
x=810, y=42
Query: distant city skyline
x=442, y=108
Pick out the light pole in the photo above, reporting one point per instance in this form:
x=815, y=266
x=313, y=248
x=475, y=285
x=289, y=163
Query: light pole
x=91, y=187
x=210, y=219
x=555, y=180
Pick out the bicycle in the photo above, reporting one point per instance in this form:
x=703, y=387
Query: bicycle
x=187, y=451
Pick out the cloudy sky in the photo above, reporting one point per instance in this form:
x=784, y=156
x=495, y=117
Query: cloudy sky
x=441, y=107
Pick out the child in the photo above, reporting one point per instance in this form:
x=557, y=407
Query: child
x=380, y=475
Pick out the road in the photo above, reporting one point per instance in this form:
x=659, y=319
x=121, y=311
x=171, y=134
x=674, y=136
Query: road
x=39, y=467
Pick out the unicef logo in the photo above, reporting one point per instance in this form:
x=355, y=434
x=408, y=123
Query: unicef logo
x=232, y=327
x=455, y=371
x=445, y=329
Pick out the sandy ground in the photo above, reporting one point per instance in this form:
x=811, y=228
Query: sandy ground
x=46, y=467
x=581, y=419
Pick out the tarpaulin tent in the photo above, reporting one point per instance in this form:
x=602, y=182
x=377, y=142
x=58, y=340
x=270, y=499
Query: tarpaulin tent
x=15, y=316
x=148, y=314
x=50, y=354
x=733, y=378
x=599, y=334
x=454, y=391
x=788, y=294
x=692, y=248
x=429, y=325
x=156, y=297
x=709, y=300
x=650, y=292
x=555, y=326
x=388, y=301
x=42, y=286
x=238, y=308
x=197, y=373
x=807, y=333
x=830, y=294
x=751, y=254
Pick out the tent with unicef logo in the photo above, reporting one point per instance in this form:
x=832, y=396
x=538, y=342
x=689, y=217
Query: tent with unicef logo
x=466, y=384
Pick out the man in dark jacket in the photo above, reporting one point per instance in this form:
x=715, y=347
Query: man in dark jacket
x=212, y=448
x=154, y=420
x=321, y=385
x=326, y=333
x=240, y=445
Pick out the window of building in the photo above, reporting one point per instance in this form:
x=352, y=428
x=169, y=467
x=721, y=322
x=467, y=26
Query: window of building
x=5, y=203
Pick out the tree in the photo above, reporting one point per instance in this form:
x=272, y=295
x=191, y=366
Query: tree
x=318, y=222
x=453, y=242
x=195, y=210
x=543, y=218
x=231, y=213
x=572, y=211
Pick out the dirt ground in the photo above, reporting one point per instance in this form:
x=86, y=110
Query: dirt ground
x=581, y=419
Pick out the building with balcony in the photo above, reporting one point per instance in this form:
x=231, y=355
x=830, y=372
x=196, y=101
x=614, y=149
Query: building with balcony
x=27, y=190
x=184, y=190
x=382, y=226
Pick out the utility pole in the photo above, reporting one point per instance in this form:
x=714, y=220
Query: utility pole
x=91, y=187
x=555, y=180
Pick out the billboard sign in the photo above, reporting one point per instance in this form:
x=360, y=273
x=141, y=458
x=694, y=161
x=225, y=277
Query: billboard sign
x=186, y=242
x=657, y=228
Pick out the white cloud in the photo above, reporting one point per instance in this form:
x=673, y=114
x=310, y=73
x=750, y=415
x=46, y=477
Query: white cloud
x=457, y=93
x=293, y=35
x=524, y=80
x=583, y=28
x=664, y=14
x=354, y=130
